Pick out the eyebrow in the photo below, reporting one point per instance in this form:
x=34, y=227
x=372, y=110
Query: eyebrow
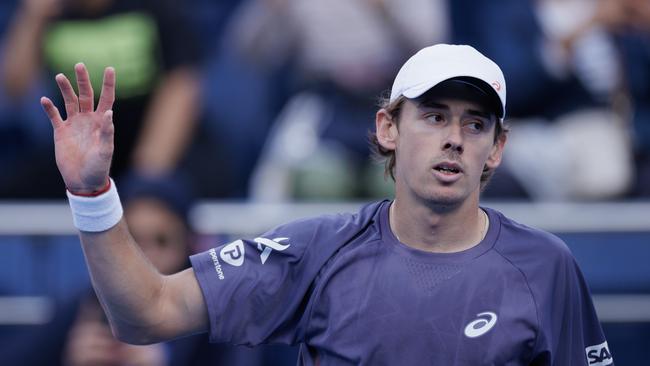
x=478, y=113
x=430, y=104
x=472, y=112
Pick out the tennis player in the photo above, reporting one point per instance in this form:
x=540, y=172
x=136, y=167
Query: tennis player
x=428, y=278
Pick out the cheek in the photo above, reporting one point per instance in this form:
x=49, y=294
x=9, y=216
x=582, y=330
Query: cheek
x=480, y=156
x=413, y=151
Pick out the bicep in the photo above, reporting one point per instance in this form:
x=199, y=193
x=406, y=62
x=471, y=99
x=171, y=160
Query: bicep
x=185, y=311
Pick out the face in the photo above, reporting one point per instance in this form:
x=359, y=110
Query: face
x=442, y=146
x=161, y=234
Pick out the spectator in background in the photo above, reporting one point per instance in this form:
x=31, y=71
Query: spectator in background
x=146, y=41
x=332, y=59
x=566, y=77
x=240, y=98
x=631, y=28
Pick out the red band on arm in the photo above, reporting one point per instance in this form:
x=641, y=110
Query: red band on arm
x=96, y=193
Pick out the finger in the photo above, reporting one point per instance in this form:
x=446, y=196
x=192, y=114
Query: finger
x=107, y=122
x=107, y=128
x=69, y=95
x=52, y=112
x=107, y=96
x=107, y=135
x=86, y=97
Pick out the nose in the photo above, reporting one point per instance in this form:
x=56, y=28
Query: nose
x=454, y=140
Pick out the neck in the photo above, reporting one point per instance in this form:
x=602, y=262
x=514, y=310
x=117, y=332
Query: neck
x=438, y=228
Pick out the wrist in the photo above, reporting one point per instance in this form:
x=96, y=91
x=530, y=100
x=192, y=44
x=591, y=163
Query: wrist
x=91, y=192
x=96, y=213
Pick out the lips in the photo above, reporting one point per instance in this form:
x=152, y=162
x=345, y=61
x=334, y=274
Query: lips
x=448, y=168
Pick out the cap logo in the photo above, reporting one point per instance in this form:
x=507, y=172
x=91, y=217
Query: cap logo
x=496, y=85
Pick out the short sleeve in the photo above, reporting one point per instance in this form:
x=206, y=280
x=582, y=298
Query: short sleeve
x=257, y=290
x=570, y=332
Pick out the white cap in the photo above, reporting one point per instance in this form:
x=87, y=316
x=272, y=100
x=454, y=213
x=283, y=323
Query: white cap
x=435, y=64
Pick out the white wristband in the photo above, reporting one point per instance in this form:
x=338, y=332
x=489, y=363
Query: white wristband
x=95, y=214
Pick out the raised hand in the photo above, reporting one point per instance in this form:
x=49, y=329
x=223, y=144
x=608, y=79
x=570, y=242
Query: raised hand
x=83, y=143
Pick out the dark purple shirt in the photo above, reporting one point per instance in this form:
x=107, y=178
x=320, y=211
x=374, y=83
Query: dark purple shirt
x=351, y=294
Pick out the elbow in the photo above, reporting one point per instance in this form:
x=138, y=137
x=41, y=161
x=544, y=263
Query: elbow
x=134, y=338
x=145, y=324
x=139, y=336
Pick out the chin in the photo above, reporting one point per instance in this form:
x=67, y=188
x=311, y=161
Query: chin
x=444, y=197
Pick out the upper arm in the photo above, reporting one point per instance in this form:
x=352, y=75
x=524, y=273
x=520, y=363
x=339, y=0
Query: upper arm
x=184, y=310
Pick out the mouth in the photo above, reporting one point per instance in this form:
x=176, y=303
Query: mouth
x=448, y=168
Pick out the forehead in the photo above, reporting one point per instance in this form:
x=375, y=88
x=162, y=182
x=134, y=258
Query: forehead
x=452, y=105
x=454, y=94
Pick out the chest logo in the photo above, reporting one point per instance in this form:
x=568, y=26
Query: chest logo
x=482, y=325
x=266, y=246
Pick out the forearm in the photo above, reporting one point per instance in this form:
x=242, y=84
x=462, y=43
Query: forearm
x=127, y=284
x=22, y=53
x=142, y=305
x=169, y=123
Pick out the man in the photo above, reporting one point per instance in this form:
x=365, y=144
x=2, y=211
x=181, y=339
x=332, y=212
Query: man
x=429, y=278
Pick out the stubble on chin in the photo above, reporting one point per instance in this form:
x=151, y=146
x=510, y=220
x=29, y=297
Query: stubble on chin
x=444, y=199
x=437, y=196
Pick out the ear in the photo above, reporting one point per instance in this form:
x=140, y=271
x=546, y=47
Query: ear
x=494, y=160
x=387, y=132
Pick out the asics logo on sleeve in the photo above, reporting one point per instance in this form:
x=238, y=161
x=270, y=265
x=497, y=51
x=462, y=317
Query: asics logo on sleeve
x=233, y=253
x=599, y=355
x=482, y=325
x=266, y=246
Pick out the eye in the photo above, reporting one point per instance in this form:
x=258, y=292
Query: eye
x=435, y=117
x=475, y=126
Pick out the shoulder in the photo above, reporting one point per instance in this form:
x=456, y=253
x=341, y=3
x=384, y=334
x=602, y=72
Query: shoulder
x=543, y=259
x=518, y=241
x=327, y=227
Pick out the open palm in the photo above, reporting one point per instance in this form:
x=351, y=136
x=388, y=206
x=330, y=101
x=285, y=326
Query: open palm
x=83, y=143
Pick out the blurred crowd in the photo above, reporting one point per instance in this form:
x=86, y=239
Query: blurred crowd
x=273, y=99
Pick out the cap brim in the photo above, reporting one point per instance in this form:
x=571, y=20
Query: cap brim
x=463, y=87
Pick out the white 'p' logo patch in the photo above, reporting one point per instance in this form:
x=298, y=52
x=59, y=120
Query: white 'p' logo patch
x=233, y=253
